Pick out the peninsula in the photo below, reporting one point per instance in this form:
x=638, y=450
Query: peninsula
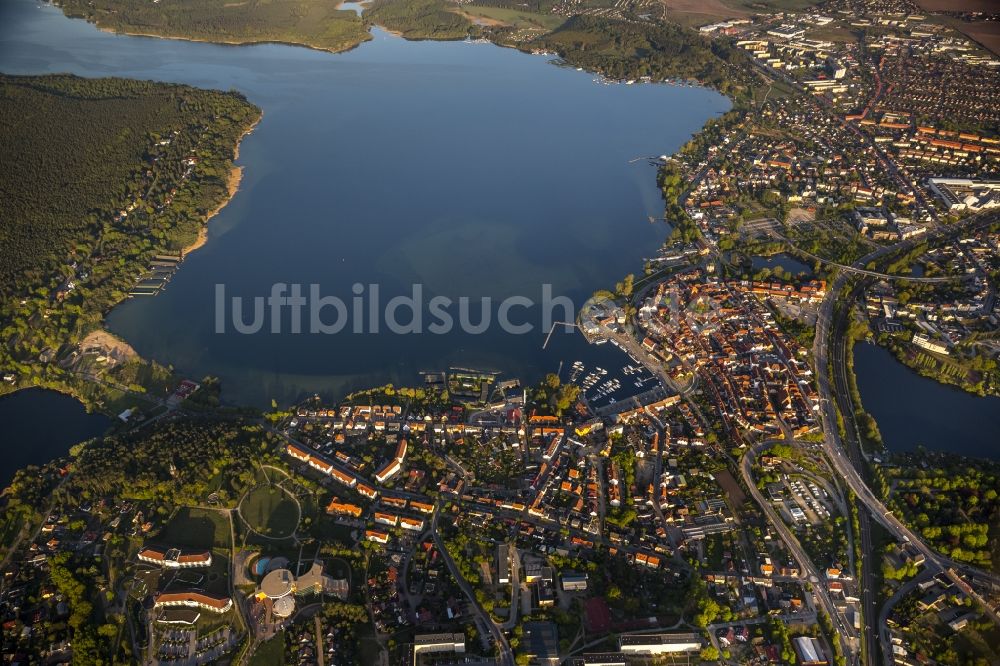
x=114, y=181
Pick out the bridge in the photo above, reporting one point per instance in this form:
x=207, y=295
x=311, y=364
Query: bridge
x=863, y=271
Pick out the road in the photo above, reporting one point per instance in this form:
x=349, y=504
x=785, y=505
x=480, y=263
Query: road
x=883, y=616
x=805, y=564
x=843, y=394
x=506, y=657
x=846, y=460
x=858, y=270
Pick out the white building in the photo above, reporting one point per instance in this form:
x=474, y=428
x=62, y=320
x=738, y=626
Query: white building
x=659, y=643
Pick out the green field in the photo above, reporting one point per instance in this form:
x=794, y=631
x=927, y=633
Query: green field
x=270, y=511
x=514, y=17
x=771, y=5
x=270, y=653
x=195, y=528
x=315, y=23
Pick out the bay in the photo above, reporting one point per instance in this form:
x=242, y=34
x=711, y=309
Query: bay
x=468, y=169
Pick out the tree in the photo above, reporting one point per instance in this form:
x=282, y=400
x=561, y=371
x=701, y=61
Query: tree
x=709, y=653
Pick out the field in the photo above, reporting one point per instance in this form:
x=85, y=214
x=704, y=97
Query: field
x=270, y=653
x=957, y=5
x=700, y=12
x=195, y=528
x=270, y=511
x=703, y=12
x=511, y=17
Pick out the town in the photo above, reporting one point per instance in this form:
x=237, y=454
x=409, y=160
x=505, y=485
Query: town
x=716, y=493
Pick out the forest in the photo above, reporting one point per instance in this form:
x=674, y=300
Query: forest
x=315, y=23
x=97, y=176
x=952, y=503
x=419, y=19
x=631, y=49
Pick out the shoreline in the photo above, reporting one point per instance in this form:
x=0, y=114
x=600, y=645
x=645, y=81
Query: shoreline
x=232, y=186
x=225, y=42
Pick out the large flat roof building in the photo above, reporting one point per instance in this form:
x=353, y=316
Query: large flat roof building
x=175, y=558
x=809, y=650
x=210, y=602
x=659, y=643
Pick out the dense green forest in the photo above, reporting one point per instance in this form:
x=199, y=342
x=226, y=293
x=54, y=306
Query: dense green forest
x=617, y=48
x=96, y=177
x=419, y=19
x=952, y=502
x=172, y=463
x=315, y=23
x=630, y=50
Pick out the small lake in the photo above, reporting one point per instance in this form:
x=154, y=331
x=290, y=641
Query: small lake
x=468, y=169
x=39, y=425
x=356, y=7
x=912, y=410
x=786, y=261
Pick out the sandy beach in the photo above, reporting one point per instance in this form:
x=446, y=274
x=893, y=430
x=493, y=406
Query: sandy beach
x=232, y=187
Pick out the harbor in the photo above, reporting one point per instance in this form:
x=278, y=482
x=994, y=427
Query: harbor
x=155, y=278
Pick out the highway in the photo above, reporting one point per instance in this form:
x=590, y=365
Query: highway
x=805, y=564
x=843, y=393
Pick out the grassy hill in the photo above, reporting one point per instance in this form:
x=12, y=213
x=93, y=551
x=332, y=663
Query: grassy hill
x=315, y=23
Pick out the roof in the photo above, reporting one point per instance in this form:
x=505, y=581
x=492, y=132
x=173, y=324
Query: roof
x=659, y=639
x=278, y=583
x=174, y=555
x=809, y=649
x=201, y=598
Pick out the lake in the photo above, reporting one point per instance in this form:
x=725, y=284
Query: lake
x=912, y=410
x=468, y=169
x=39, y=425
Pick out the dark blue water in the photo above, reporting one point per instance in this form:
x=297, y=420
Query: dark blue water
x=39, y=425
x=469, y=169
x=785, y=261
x=914, y=411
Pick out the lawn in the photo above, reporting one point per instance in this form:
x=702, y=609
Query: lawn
x=325, y=529
x=513, y=17
x=368, y=648
x=270, y=511
x=270, y=653
x=195, y=528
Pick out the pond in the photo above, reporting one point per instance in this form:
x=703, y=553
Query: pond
x=786, y=261
x=39, y=425
x=914, y=411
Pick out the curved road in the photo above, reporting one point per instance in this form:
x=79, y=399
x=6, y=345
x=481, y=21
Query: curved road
x=827, y=340
x=807, y=566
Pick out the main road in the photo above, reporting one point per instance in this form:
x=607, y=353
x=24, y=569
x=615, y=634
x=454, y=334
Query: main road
x=808, y=568
x=828, y=339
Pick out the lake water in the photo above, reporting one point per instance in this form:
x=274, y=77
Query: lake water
x=39, y=425
x=912, y=410
x=785, y=261
x=355, y=7
x=466, y=168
